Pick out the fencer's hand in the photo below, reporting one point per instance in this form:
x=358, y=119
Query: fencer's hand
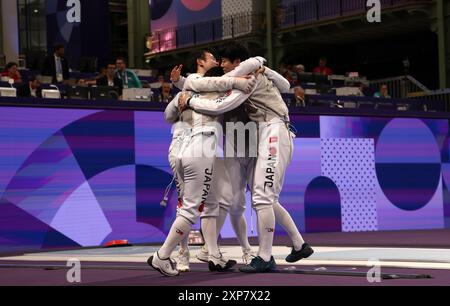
x=183, y=101
x=262, y=60
x=261, y=70
x=245, y=84
x=175, y=75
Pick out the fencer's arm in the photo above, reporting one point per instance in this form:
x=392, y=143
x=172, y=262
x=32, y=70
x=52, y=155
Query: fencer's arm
x=247, y=67
x=221, y=105
x=180, y=83
x=222, y=84
x=280, y=82
x=171, y=113
x=209, y=84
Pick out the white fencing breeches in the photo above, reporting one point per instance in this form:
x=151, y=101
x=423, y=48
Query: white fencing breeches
x=195, y=165
x=275, y=151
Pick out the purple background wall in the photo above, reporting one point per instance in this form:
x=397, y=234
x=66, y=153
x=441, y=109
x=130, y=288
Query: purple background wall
x=89, y=38
x=72, y=178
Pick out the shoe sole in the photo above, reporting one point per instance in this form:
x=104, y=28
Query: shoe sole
x=218, y=268
x=254, y=271
x=150, y=263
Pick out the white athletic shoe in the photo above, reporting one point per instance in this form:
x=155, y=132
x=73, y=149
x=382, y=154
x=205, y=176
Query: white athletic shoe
x=220, y=264
x=166, y=267
x=183, y=261
x=248, y=256
x=203, y=256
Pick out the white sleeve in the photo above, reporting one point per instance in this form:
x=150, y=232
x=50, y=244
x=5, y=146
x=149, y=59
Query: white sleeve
x=247, y=67
x=221, y=105
x=171, y=113
x=180, y=83
x=280, y=82
x=209, y=84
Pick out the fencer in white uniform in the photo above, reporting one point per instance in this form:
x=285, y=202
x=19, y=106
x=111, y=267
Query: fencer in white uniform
x=275, y=151
x=237, y=166
x=226, y=194
x=194, y=167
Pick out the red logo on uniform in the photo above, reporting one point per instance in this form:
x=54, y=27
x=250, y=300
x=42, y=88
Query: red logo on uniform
x=180, y=232
x=180, y=204
x=273, y=139
x=201, y=208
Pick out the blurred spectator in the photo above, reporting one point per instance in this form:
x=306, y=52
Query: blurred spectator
x=300, y=97
x=292, y=75
x=93, y=81
x=12, y=72
x=111, y=79
x=299, y=70
x=322, y=68
x=103, y=71
x=161, y=79
x=287, y=72
x=282, y=69
x=128, y=77
x=30, y=90
x=363, y=89
x=383, y=93
x=166, y=95
x=56, y=65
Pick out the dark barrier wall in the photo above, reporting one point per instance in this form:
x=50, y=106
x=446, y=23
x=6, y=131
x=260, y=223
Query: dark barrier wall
x=82, y=25
x=79, y=177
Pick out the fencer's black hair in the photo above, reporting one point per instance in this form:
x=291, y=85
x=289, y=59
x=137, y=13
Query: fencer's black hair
x=198, y=55
x=235, y=51
x=214, y=72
